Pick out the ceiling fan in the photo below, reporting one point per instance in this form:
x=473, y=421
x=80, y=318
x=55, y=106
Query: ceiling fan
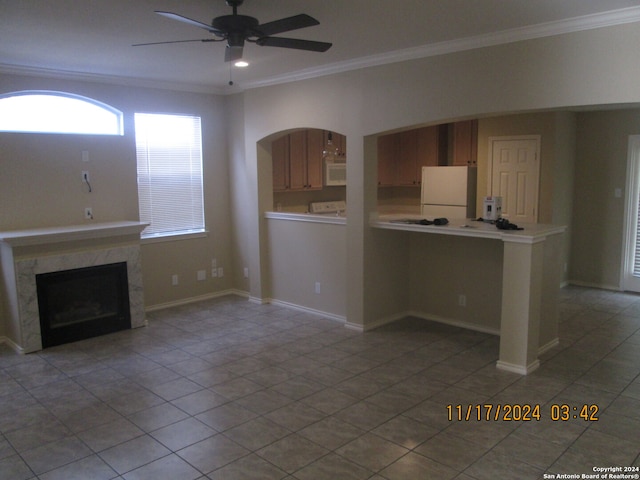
x=236, y=29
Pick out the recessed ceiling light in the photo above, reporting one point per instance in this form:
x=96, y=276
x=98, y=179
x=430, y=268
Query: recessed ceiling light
x=241, y=64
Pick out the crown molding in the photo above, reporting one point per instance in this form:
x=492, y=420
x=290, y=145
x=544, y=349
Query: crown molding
x=558, y=27
x=108, y=79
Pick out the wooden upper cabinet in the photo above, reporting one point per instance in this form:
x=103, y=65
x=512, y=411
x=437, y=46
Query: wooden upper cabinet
x=432, y=147
x=315, y=147
x=297, y=161
x=387, y=154
x=465, y=143
x=407, y=159
x=280, y=160
x=401, y=156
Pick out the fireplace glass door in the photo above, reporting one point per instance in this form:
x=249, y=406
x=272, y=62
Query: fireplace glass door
x=83, y=303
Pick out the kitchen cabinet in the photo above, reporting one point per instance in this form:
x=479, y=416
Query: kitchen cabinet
x=432, y=147
x=297, y=161
x=387, y=155
x=280, y=160
x=315, y=146
x=465, y=143
x=407, y=161
x=401, y=156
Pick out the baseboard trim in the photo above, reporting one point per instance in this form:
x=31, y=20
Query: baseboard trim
x=14, y=346
x=199, y=298
x=548, y=346
x=379, y=322
x=331, y=316
x=354, y=326
x=577, y=283
x=512, y=367
x=455, y=323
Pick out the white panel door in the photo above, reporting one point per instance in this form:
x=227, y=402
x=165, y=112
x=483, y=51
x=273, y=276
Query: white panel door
x=514, y=171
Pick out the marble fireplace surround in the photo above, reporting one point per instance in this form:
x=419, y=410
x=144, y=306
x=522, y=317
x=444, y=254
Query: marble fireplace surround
x=27, y=253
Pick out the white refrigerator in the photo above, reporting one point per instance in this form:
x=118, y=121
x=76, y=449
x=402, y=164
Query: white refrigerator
x=449, y=192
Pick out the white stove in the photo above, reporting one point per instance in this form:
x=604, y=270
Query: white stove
x=337, y=207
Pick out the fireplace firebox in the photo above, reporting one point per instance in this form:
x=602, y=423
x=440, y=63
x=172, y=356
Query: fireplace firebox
x=83, y=303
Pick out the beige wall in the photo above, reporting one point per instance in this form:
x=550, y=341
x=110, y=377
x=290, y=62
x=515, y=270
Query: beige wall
x=453, y=266
x=303, y=253
x=40, y=184
x=601, y=163
x=582, y=68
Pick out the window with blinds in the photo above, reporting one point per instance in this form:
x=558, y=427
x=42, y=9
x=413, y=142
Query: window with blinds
x=169, y=156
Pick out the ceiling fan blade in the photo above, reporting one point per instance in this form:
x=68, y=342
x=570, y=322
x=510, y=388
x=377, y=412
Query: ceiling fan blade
x=231, y=54
x=294, y=43
x=286, y=24
x=176, y=41
x=195, y=23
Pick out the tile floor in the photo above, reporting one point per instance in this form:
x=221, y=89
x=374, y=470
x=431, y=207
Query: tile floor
x=226, y=389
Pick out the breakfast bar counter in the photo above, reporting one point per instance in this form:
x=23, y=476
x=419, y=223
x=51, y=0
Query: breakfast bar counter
x=531, y=276
x=530, y=233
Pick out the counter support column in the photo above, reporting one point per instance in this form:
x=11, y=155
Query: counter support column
x=521, y=305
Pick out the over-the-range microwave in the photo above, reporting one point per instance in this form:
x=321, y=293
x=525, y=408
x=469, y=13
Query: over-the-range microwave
x=335, y=174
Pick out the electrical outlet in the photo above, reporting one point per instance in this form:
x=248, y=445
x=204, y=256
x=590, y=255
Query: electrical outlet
x=202, y=275
x=462, y=300
x=246, y=272
x=214, y=263
x=85, y=176
x=318, y=288
x=174, y=279
x=88, y=213
x=220, y=272
x=214, y=272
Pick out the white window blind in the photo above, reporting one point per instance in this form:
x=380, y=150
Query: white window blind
x=169, y=155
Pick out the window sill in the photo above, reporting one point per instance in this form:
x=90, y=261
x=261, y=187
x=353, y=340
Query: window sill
x=174, y=237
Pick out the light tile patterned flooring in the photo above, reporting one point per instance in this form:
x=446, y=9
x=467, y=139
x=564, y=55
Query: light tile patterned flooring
x=226, y=389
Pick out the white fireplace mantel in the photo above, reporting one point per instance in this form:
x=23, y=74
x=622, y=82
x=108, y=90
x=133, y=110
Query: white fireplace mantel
x=42, y=236
x=26, y=253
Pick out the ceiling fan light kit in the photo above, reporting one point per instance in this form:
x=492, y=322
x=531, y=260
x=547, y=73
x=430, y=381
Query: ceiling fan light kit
x=237, y=29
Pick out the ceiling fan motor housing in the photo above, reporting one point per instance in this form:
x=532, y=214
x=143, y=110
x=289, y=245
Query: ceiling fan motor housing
x=238, y=27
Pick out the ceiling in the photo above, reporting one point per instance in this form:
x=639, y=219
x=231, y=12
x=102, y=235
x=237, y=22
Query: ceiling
x=92, y=39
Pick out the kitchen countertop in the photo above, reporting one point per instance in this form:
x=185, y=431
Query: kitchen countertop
x=331, y=218
x=531, y=233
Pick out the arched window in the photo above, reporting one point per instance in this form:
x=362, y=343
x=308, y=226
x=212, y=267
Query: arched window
x=40, y=111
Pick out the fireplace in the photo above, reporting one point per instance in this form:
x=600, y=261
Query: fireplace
x=27, y=256
x=83, y=303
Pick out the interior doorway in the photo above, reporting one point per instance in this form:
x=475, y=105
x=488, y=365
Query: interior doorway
x=514, y=173
x=631, y=257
